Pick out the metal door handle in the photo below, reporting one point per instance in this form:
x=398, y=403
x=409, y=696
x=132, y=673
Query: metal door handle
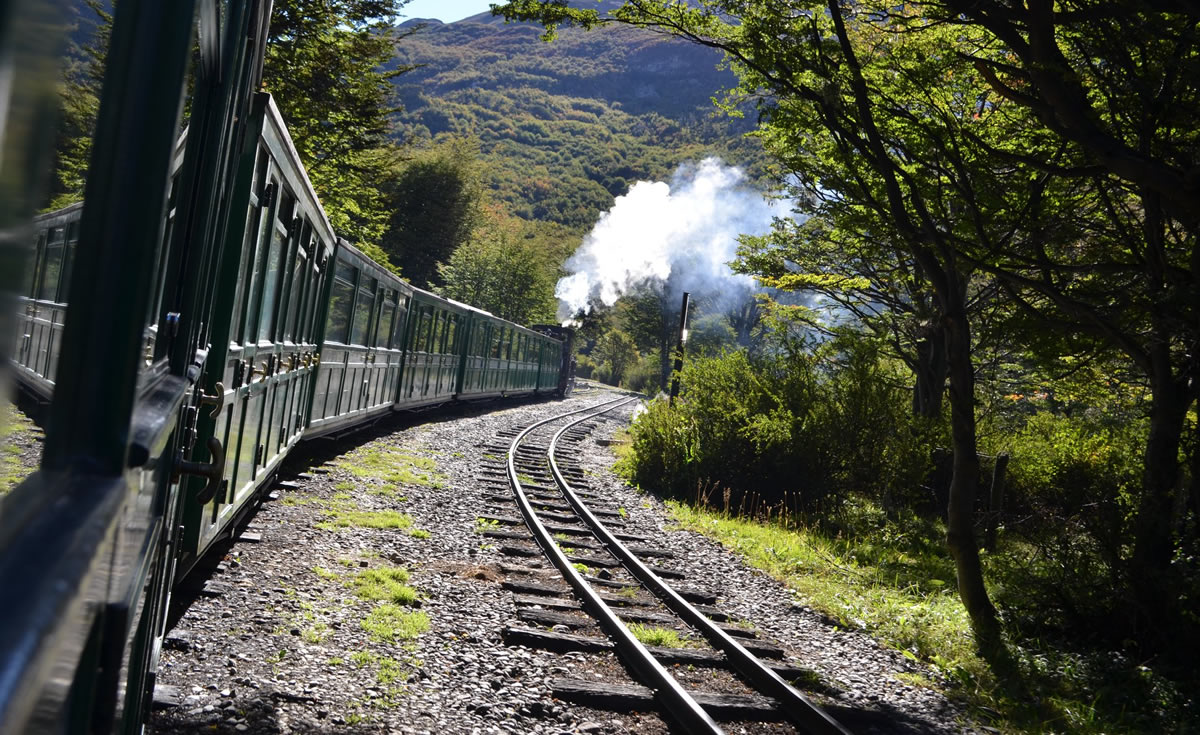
x=214, y=471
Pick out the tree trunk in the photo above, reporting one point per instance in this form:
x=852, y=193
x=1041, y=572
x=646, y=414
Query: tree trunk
x=930, y=369
x=1153, y=545
x=960, y=527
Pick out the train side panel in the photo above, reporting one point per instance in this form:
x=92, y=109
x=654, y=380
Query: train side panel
x=361, y=354
x=270, y=299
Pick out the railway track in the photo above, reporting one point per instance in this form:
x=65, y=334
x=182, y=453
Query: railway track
x=575, y=530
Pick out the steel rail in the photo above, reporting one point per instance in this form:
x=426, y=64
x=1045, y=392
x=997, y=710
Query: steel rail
x=802, y=711
x=680, y=705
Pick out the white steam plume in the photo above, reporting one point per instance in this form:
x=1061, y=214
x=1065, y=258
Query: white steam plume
x=687, y=228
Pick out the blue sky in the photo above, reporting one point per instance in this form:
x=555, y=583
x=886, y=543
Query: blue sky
x=446, y=11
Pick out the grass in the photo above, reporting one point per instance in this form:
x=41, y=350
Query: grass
x=389, y=623
x=315, y=633
x=651, y=635
x=385, y=583
x=896, y=582
x=337, y=518
x=13, y=424
x=377, y=462
x=324, y=573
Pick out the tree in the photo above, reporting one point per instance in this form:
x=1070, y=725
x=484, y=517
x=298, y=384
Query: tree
x=436, y=201
x=325, y=68
x=617, y=349
x=501, y=271
x=79, y=95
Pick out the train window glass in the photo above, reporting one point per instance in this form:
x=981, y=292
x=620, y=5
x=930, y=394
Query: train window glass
x=308, y=321
x=69, y=260
x=340, y=301
x=451, y=330
x=362, y=312
x=39, y=255
x=398, y=324
x=495, y=347
x=266, y=316
x=258, y=260
x=291, y=325
x=422, y=327
x=52, y=267
x=387, y=315
x=435, y=335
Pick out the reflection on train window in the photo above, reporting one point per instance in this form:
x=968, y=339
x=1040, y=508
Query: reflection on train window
x=362, y=311
x=340, y=303
x=52, y=265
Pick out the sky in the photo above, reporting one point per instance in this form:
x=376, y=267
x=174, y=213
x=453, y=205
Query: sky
x=446, y=11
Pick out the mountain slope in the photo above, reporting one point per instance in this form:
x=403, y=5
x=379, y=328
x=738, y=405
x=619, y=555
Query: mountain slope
x=568, y=125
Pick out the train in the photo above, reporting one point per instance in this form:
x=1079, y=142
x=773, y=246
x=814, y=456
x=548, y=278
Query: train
x=189, y=324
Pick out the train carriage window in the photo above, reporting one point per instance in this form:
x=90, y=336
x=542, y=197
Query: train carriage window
x=495, y=347
x=451, y=331
x=274, y=266
x=69, y=260
x=435, y=336
x=398, y=324
x=387, y=316
x=309, y=320
x=421, y=336
x=340, y=301
x=299, y=282
x=52, y=265
x=362, y=311
x=39, y=255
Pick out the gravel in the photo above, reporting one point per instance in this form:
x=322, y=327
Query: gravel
x=277, y=646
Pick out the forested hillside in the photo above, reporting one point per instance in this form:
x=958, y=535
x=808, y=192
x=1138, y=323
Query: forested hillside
x=566, y=126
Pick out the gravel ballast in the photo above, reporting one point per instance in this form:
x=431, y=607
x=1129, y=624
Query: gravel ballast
x=276, y=643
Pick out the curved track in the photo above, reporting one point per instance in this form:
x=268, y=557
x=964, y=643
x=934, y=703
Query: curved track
x=675, y=700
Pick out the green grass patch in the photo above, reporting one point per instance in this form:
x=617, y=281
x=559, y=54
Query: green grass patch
x=324, y=573
x=386, y=491
x=362, y=659
x=337, y=518
x=651, y=635
x=315, y=633
x=13, y=424
x=389, y=670
x=385, y=583
x=345, y=486
x=389, y=465
x=895, y=580
x=389, y=623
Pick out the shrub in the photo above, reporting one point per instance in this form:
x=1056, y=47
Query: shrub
x=801, y=432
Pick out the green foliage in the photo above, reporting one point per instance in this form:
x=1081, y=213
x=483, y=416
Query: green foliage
x=79, y=98
x=617, y=351
x=436, y=203
x=324, y=68
x=803, y=433
x=651, y=635
x=385, y=583
x=566, y=127
x=390, y=623
x=643, y=376
x=887, y=574
x=503, y=269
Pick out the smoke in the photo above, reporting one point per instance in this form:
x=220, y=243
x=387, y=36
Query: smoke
x=685, y=232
